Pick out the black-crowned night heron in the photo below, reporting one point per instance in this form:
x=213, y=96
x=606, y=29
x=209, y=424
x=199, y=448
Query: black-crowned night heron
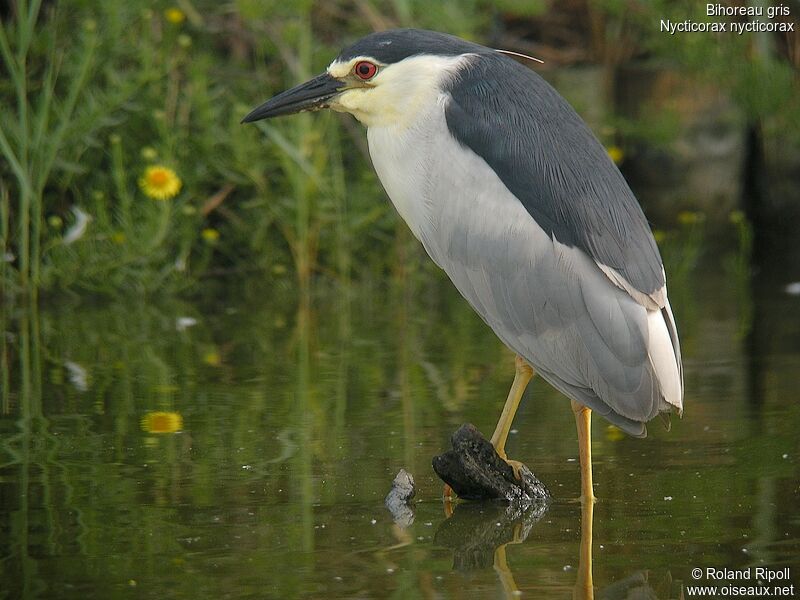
x=513, y=196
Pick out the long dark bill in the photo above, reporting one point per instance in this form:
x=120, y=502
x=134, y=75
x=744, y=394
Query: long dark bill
x=311, y=95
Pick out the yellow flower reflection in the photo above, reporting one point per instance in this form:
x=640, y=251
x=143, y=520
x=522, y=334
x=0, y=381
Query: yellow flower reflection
x=614, y=434
x=162, y=422
x=212, y=358
x=160, y=183
x=616, y=154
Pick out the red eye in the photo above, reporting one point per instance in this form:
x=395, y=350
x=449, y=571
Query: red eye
x=365, y=70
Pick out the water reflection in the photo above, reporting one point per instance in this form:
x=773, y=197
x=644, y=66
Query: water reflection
x=584, y=586
x=295, y=417
x=479, y=533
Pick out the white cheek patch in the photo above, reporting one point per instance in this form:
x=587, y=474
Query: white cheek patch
x=343, y=69
x=339, y=70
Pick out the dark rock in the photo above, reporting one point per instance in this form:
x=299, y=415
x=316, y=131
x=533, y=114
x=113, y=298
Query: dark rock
x=476, y=472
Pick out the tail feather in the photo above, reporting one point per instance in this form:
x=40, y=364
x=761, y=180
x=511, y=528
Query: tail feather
x=669, y=319
x=665, y=356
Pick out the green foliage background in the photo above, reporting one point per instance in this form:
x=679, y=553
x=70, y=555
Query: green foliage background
x=95, y=91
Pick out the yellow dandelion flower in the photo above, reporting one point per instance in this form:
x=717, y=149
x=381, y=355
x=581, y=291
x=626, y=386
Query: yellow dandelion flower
x=55, y=221
x=210, y=235
x=160, y=183
x=118, y=237
x=659, y=235
x=162, y=422
x=174, y=15
x=616, y=154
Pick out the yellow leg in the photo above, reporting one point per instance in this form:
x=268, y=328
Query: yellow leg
x=524, y=373
x=583, y=422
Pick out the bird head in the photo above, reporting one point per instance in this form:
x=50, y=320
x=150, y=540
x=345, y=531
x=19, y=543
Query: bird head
x=385, y=78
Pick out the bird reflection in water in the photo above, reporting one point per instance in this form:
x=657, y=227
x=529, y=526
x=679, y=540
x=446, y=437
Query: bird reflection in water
x=480, y=533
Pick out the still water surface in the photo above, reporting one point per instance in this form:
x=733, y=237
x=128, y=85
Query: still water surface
x=238, y=447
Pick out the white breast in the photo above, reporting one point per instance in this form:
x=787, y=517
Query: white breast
x=402, y=157
x=442, y=189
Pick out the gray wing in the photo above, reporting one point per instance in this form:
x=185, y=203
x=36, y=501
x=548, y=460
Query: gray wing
x=547, y=301
x=548, y=158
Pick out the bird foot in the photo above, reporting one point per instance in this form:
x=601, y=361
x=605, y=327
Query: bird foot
x=516, y=466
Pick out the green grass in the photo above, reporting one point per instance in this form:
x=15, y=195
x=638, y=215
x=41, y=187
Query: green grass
x=98, y=91
x=95, y=92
